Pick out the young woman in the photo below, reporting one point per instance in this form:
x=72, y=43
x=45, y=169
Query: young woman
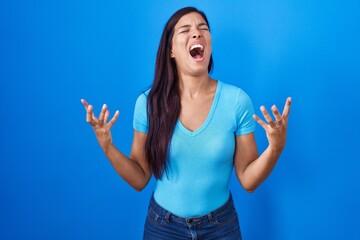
x=189, y=132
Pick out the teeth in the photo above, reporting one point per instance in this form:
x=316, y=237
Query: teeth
x=196, y=46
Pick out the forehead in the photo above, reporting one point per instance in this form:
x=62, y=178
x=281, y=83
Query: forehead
x=190, y=18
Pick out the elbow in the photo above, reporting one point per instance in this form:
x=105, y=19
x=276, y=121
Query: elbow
x=247, y=184
x=249, y=189
x=139, y=187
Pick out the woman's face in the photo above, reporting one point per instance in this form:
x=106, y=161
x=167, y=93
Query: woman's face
x=191, y=45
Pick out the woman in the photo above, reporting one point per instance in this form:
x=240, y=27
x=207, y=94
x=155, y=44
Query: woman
x=189, y=132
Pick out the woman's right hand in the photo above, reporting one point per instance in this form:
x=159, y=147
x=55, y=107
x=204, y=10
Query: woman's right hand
x=101, y=125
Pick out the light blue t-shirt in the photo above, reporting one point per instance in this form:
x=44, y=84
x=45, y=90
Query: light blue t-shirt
x=200, y=162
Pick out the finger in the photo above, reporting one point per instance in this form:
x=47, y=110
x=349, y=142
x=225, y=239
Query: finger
x=102, y=114
x=90, y=118
x=287, y=108
x=276, y=113
x=267, y=116
x=259, y=121
x=107, y=114
x=85, y=103
x=113, y=120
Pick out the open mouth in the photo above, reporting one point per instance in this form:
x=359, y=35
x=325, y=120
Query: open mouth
x=197, y=51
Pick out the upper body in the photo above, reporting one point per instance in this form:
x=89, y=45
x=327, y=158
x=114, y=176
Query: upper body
x=190, y=130
x=200, y=161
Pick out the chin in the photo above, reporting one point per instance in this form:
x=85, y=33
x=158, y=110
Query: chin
x=199, y=71
x=201, y=67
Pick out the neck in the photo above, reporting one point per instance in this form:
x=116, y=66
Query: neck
x=194, y=86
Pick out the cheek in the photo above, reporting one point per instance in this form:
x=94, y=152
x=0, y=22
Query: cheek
x=178, y=45
x=209, y=41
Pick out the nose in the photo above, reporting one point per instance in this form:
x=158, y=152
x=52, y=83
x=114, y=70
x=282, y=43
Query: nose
x=196, y=34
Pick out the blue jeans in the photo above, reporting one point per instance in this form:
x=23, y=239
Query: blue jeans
x=220, y=224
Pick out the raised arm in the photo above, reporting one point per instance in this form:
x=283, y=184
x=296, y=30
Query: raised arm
x=133, y=169
x=251, y=169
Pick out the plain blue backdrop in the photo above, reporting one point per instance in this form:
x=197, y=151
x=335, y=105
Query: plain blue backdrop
x=55, y=182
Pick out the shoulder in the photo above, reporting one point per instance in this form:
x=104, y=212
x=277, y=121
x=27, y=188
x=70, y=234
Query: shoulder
x=142, y=98
x=144, y=94
x=141, y=102
x=233, y=92
x=140, y=113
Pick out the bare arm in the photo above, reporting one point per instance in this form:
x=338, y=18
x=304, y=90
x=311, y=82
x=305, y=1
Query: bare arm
x=251, y=169
x=133, y=169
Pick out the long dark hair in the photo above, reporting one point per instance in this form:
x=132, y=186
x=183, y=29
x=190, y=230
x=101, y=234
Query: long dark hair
x=163, y=103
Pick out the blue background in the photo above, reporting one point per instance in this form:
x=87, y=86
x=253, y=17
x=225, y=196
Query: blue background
x=55, y=182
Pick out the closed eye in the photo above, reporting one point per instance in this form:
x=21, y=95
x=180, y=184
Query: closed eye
x=188, y=30
x=203, y=26
x=184, y=31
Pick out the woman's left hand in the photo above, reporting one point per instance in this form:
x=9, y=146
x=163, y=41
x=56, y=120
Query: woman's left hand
x=275, y=130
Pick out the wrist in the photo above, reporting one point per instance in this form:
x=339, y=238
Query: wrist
x=108, y=148
x=275, y=150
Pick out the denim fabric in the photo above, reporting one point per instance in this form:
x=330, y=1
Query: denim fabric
x=220, y=224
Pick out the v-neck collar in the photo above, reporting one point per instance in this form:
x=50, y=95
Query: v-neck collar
x=209, y=116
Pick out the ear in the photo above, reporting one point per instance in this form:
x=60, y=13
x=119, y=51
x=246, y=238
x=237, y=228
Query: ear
x=172, y=54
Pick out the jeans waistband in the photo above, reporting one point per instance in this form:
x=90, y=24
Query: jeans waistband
x=209, y=217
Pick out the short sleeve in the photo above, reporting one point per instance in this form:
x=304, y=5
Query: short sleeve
x=244, y=113
x=140, y=122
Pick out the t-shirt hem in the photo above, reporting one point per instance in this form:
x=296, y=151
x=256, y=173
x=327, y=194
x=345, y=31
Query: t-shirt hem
x=142, y=130
x=245, y=131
